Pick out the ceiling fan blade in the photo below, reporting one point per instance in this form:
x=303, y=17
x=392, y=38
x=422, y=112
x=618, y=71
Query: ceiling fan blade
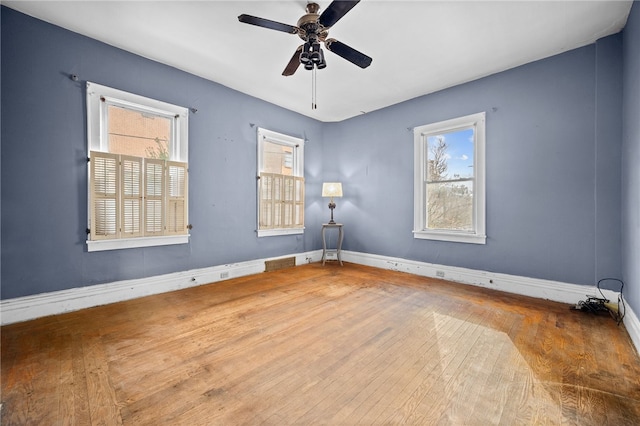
x=266, y=23
x=348, y=53
x=336, y=10
x=294, y=63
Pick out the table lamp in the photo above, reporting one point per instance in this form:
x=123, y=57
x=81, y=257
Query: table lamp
x=332, y=189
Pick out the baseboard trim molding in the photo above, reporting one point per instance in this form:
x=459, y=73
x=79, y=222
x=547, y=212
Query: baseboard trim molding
x=40, y=305
x=632, y=324
x=46, y=304
x=533, y=287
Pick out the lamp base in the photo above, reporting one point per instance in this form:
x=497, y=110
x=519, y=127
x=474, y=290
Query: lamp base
x=332, y=206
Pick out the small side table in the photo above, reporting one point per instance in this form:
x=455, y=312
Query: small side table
x=338, y=248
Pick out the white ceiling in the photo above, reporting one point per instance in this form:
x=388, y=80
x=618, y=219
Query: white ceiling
x=418, y=47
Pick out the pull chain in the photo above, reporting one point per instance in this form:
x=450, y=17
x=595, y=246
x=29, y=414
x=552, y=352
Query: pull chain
x=313, y=89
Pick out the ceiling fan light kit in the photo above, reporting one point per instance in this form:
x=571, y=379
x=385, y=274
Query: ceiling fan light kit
x=313, y=29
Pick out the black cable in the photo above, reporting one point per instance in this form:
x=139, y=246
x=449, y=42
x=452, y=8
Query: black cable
x=596, y=304
x=618, y=317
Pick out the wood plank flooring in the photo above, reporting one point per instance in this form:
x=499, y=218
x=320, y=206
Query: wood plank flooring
x=321, y=345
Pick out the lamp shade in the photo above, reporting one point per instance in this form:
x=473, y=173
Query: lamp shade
x=332, y=189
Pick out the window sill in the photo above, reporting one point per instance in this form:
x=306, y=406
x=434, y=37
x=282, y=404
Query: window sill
x=283, y=231
x=455, y=237
x=125, y=243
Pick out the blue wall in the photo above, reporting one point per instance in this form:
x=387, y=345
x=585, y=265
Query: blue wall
x=44, y=169
x=554, y=134
x=631, y=159
x=553, y=160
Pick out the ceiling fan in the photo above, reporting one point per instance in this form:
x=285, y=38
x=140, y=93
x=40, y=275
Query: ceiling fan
x=313, y=28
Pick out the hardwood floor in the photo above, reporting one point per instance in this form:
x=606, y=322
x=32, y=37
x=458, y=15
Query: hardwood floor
x=322, y=345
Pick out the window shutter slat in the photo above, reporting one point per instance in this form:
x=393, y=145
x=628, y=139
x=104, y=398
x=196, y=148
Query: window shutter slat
x=177, y=203
x=299, y=202
x=277, y=201
x=154, y=193
x=287, y=201
x=105, y=223
x=266, y=201
x=104, y=195
x=131, y=169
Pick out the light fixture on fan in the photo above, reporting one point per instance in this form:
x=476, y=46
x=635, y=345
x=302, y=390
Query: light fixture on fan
x=332, y=189
x=312, y=56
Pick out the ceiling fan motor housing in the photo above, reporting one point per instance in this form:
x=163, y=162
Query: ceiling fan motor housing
x=312, y=30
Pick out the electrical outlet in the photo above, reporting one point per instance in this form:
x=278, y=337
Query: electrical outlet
x=224, y=274
x=440, y=274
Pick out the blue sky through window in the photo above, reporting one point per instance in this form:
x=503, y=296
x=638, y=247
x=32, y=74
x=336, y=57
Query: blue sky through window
x=459, y=152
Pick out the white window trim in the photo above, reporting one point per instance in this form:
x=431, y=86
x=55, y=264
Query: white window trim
x=420, y=134
x=298, y=170
x=138, y=242
x=97, y=140
x=282, y=231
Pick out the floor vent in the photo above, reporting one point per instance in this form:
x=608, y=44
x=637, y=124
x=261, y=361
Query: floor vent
x=274, y=265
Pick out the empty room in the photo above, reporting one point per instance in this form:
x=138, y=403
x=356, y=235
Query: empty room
x=333, y=212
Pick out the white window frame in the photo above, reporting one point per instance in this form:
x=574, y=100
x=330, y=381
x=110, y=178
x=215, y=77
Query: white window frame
x=98, y=99
x=297, y=144
x=478, y=234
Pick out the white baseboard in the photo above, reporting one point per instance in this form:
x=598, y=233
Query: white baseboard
x=533, y=287
x=58, y=302
x=40, y=305
x=632, y=324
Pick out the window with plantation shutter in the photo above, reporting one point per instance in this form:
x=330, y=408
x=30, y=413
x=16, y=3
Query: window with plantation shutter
x=280, y=184
x=138, y=171
x=137, y=197
x=281, y=201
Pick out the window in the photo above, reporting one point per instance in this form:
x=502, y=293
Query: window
x=280, y=184
x=138, y=170
x=449, y=181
